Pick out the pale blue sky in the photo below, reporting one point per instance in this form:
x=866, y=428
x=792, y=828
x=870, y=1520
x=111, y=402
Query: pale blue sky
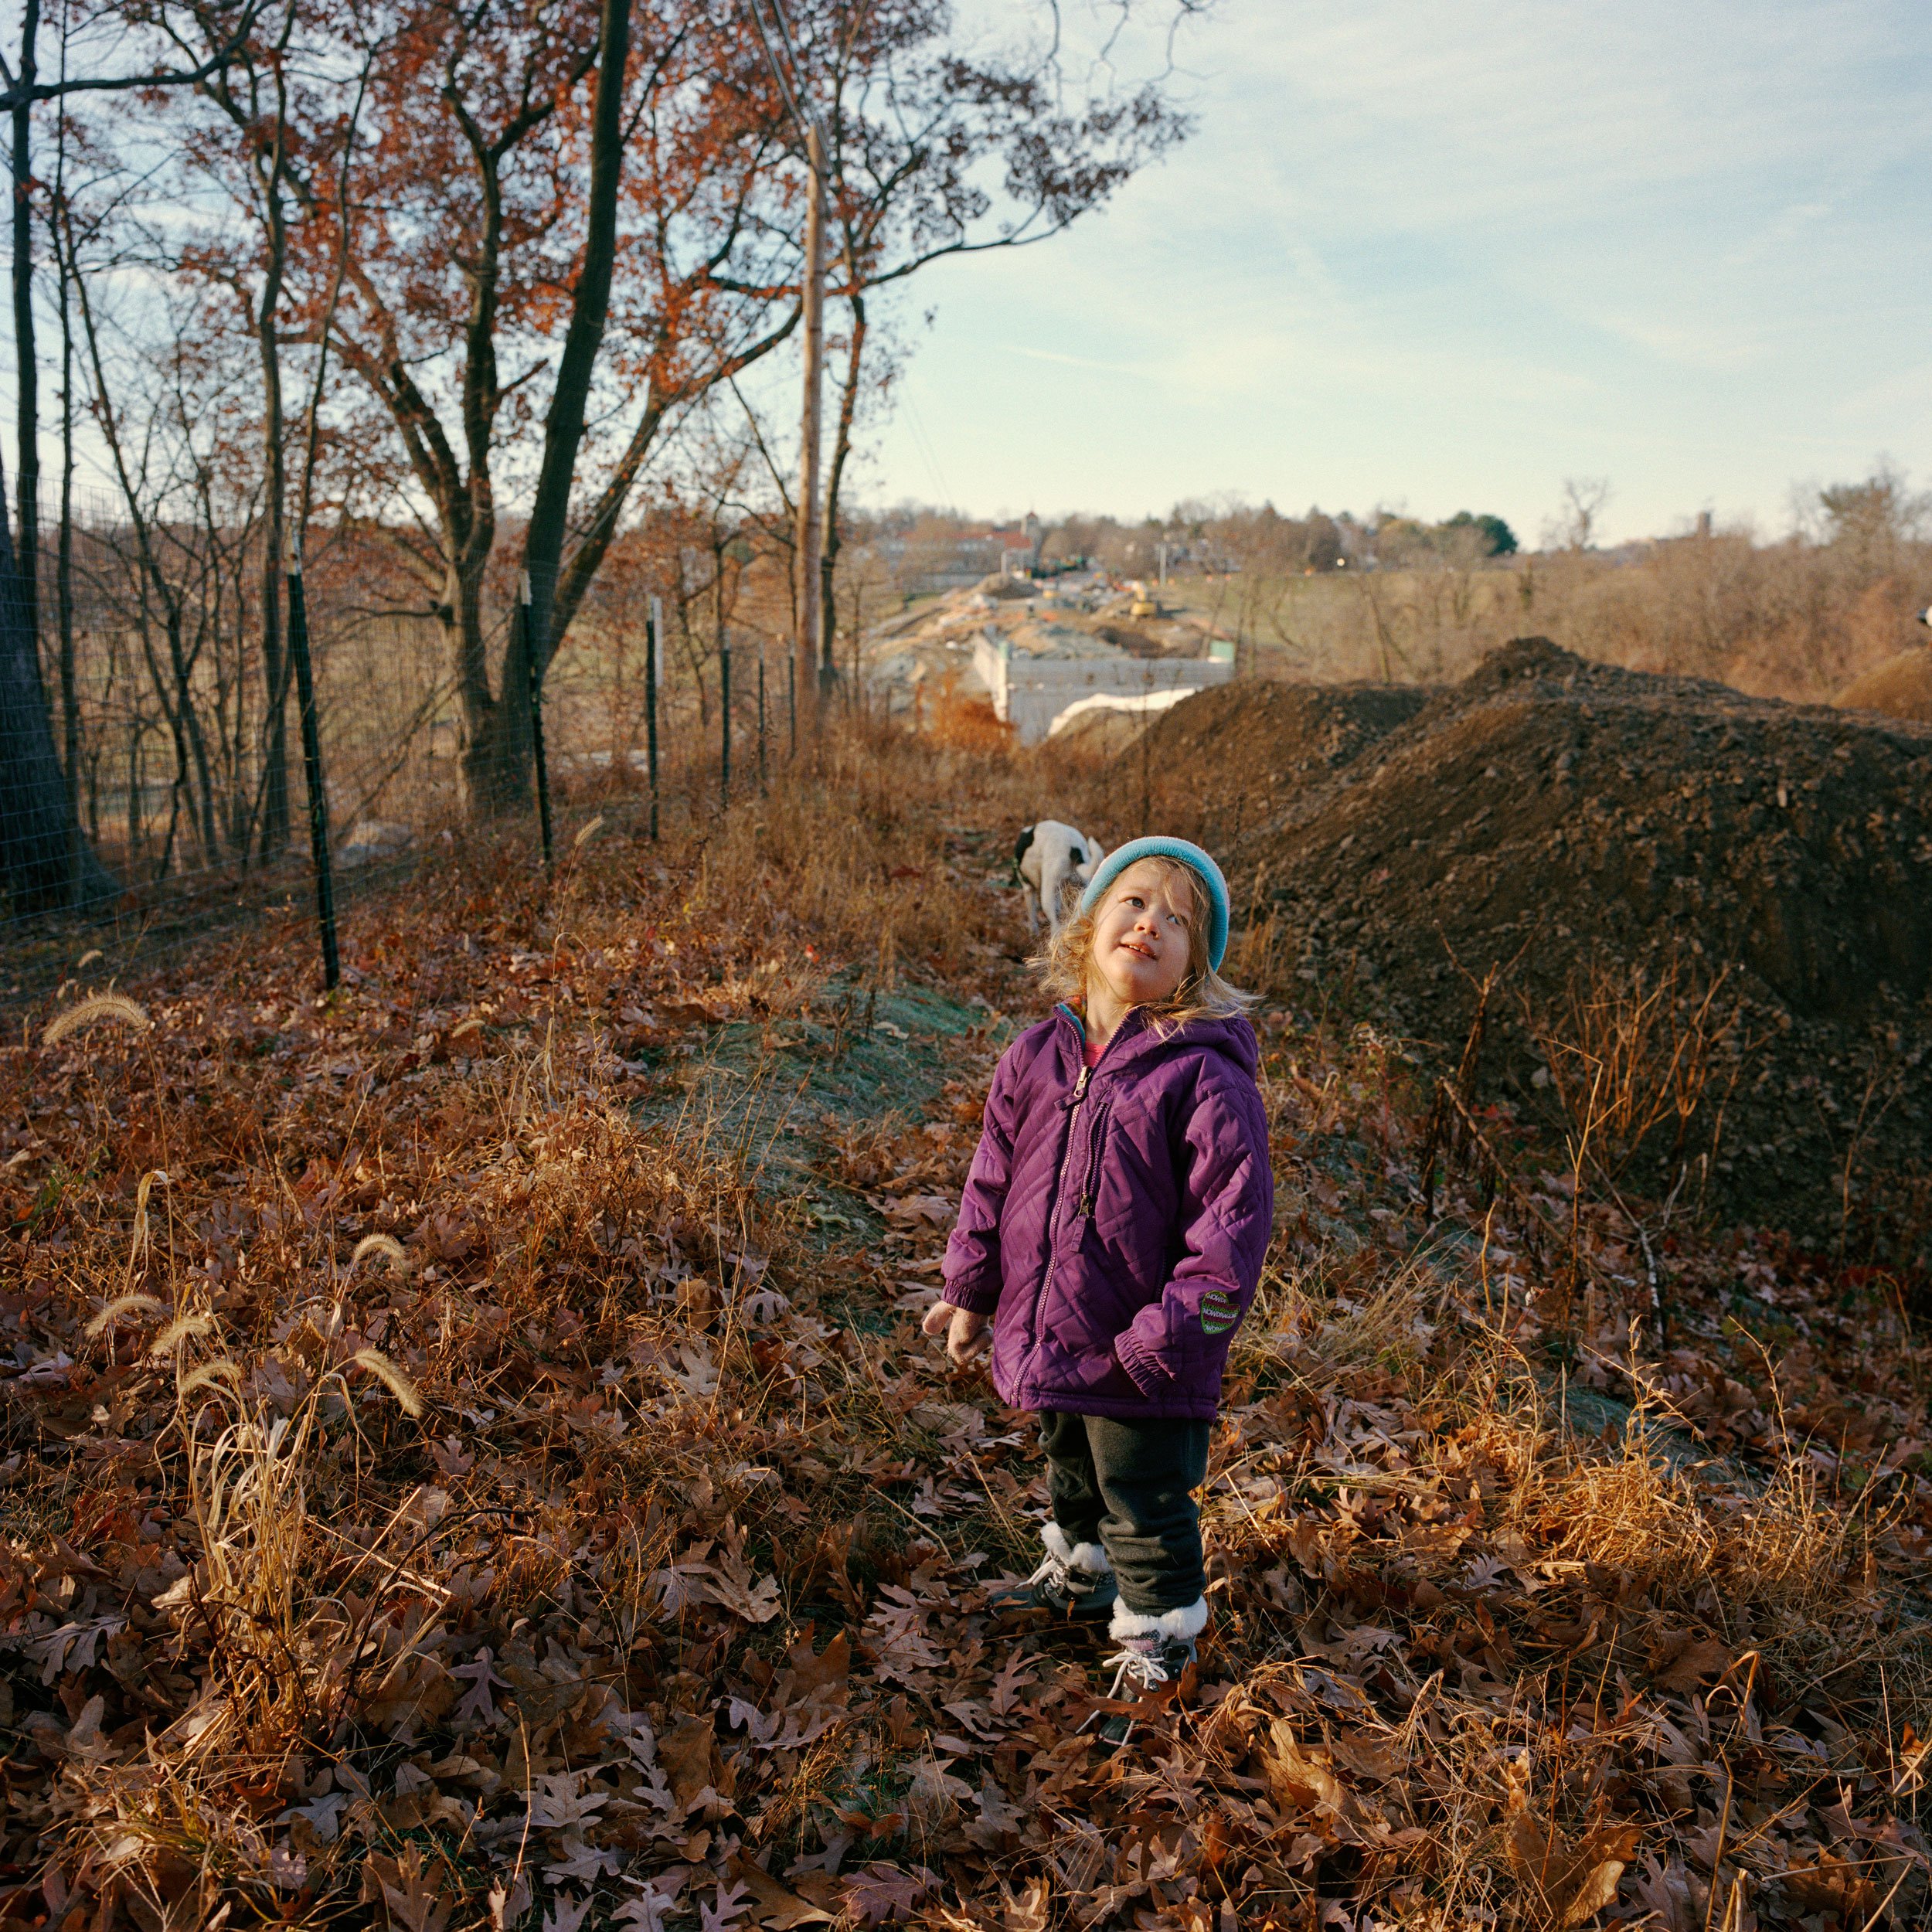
x=1439, y=255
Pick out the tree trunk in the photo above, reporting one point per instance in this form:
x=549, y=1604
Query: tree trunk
x=45, y=863
x=181, y=662
x=812, y=302
x=541, y=635
x=495, y=774
x=590, y=311
x=275, y=664
x=840, y=449
x=63, y=569
x=27, y=397
x=500, y=775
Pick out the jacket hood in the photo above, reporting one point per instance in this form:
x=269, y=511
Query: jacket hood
x=1139, y=1040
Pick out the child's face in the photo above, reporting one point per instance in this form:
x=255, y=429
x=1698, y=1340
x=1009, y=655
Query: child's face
x=1141, y=935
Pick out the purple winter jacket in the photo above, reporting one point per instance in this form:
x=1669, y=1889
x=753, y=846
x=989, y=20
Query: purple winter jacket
x=1114, y=1220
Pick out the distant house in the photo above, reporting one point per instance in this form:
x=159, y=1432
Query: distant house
x=963, y=560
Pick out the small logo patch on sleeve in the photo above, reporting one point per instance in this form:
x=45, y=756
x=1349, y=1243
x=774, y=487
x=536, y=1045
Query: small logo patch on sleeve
x=1220, y=1311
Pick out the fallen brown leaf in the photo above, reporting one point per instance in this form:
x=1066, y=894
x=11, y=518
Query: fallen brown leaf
x=1299, y=1776
x=1569, y=1882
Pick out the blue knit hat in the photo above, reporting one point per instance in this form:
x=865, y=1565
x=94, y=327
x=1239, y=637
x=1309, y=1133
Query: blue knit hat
x=1111, y=868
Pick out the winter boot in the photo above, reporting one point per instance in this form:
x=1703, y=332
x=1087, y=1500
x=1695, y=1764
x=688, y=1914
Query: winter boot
x=1076, y=1581
x=1154, y=1650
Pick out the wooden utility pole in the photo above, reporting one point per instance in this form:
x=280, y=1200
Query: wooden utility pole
x=811, y=532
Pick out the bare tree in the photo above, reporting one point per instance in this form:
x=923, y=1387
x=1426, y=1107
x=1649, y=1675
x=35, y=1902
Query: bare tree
x=44, y=860
x=933, y=156
x=1584, y=499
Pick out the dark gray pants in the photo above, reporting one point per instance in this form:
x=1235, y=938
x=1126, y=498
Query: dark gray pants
x=1125, y=1485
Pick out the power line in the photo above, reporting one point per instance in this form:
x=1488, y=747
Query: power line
x=785, y=34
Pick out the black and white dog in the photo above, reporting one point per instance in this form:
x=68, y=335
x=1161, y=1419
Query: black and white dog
x=1052, y=861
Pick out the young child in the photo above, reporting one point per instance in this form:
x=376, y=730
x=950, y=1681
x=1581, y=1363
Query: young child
x=1112, y=1230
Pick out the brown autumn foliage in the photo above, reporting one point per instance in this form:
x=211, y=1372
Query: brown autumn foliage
x=470, y=1460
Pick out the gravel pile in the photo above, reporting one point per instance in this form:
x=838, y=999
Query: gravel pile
x=1553, y=816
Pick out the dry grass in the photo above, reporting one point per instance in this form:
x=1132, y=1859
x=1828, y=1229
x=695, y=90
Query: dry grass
x=1791, y=619
x=95, y=1010
x=1641, y=1062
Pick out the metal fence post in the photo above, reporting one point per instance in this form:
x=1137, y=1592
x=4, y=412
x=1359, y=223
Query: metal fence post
x=522, y=620
x=312, y=773
x=651, y=705
x=724, y=711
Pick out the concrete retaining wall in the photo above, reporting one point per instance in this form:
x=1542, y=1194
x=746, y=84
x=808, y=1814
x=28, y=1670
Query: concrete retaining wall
x=1029, y=693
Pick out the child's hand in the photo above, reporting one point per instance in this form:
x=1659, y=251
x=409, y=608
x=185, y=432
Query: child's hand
x=966, y=1334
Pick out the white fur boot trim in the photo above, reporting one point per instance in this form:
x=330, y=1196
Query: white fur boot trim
x=1189, y=1621
x=1089, y=1557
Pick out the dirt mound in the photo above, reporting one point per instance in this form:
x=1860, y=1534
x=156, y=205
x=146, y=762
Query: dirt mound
x=1003, y=589
x=1901, y=688
x=1125, y=637
x=1274, y=736
x=1100, y=735
x=1220, y=763
x=1563, y=815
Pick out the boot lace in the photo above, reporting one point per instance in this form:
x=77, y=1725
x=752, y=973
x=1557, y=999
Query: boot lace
x=1053, y=1576
x=1136, y=1672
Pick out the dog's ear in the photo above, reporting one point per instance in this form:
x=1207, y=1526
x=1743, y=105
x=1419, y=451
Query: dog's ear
x=1022, y=844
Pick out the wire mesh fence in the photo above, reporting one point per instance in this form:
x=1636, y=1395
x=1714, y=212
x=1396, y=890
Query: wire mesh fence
x=159, y=739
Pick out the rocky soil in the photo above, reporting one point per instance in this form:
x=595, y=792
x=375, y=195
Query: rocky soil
x=1597, y=835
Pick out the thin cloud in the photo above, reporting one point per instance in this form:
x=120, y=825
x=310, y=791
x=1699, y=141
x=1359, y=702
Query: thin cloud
x=1690, y=345
x=1451, y=253
x=1141, y=371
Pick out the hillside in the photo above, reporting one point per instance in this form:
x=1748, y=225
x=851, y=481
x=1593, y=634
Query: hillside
x=470, y=1459
x=1745, y=880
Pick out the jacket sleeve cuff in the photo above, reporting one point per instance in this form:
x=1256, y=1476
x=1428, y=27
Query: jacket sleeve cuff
x=1145, y=1370
x=975, y=1300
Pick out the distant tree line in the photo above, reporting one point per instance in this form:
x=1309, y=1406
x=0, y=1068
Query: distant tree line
x=1325, y=596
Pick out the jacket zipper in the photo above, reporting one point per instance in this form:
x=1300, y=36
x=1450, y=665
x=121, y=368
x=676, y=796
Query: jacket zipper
x=1085, y=1211
x=1052, y=1245
x=1086, y=1207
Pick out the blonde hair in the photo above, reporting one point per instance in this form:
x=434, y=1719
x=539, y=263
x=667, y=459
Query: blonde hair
x=1065, y=961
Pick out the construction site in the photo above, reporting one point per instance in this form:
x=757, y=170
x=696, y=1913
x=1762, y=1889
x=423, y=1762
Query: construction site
x=1071, y=655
